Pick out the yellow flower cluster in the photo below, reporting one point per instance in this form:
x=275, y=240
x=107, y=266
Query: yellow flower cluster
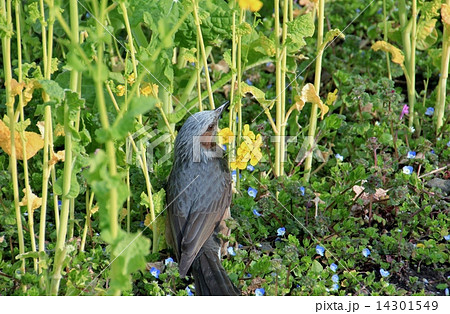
x=249, y=150
x=252, y=5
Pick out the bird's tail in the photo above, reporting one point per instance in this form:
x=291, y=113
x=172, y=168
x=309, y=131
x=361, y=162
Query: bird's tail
x=210, y=276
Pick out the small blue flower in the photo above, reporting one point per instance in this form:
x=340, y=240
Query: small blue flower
x=432, y=152
x=231, y=251
x=425, y=280
x=448, y=144
x=260, y=292
x=224, y=146
x=302, y=190
x=281, y=231
x=408, y=169
x=248, y=275
x=256, y=213
x=248, y=82
x=59, y=204
x=335, y=278
x=233, y=175
x=339, y=157
x=366, y=252
x=269, y=64
x=446, y=291
x=269, y=85
x=141, y=224
x=447, y=237
x=379, y=11
x=250, y=168
x=155, y=272
x=411, y=154
x=168, y=261
x=384, y=273
x=335, y=287
x=333, y=267
x=189, y=292
x=320, y=250
x=252, y=192
x=358, y=10
x=430, y=111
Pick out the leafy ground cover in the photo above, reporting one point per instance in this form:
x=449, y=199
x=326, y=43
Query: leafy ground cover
x=356, y=90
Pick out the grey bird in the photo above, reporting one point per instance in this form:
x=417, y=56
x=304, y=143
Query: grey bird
x=198, y=200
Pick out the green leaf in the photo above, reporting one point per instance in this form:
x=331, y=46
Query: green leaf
x=430, y=9
x=129, y=251
x=125, y=123
x=74, y=103
x=298, y=29
x=316, y=267
x=330, y=35
x=427, y=34
x=258, y=94
x=52, y=89
x=74, y=186
x=158, y=201
x=265, y=46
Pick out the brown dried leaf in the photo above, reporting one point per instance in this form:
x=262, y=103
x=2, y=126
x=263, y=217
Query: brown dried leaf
x=36, y=201
x=59, y=156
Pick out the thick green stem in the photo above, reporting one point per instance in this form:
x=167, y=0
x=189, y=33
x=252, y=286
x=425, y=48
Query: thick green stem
x=204, y=55
x=5, y=9
x=279, y=88
x=440, y=104
x=318, y=71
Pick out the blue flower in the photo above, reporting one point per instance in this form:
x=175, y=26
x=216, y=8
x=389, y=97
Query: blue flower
x=233, y=175
x=269, y=85
x=335, y=287
x=256, y=213
x=269, y=64
x=339, y=157
x=411, y=154
x=335, y=278
x=333, y=267
x=430, y=111
x=432, y=152
x=59, y=204
x=260, y=292
x=448, y=144
x=302, y=190
x=446, y=291
x=168, y=261
x=252, y=192
x=224, y=147
x=250, y=168
x=447, y=237
x=358, y=10
x=155, y=272
x=189, y=292
x=408, y=169
x=366, y=252
x=248, y=82
x=231, y=251
x=320, y=250
x=248, y=275
x=281, y=231
x=379, y=11
x=384, y=273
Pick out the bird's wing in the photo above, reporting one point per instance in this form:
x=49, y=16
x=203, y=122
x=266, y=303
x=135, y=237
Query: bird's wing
x=195, y=214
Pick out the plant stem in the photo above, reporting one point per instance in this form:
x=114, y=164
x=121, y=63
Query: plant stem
x=313, y=117
x=279, y=89
x=5, y=9
x=204, y=55
x=440, y=104
x=388, y=63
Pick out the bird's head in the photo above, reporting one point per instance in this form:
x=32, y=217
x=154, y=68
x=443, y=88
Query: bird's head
x=198, y=133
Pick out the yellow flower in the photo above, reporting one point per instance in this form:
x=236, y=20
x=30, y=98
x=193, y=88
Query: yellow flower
x=252, y=5
x=247, y=133
x=120, y=90
x=239, y=163
x=146, y=89
x=226, y=136
x=131, y=79
x=255, y=153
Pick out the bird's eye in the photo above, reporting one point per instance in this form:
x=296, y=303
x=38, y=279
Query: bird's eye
x=211, y=126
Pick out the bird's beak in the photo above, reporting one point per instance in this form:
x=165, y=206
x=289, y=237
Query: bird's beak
x=222, y=108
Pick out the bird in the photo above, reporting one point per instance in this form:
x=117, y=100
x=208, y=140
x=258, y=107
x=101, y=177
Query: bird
x=198, y=199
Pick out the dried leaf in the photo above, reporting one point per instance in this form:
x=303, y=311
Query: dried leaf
x=59, y=156
x=16, y=87
x=397, y=54
x=445, y=14
x=309, y=94
x=36, y=201
x=33, y=142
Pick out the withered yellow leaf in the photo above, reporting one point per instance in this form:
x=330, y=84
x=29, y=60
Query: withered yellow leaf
x=33, y=141
x=16, y=87
x=41, y=127
x=309, y=94
x=397, y=54
x=59, y=130
x=35, y=201
x=59, y=156
x=445, y=13
x=331, y=98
